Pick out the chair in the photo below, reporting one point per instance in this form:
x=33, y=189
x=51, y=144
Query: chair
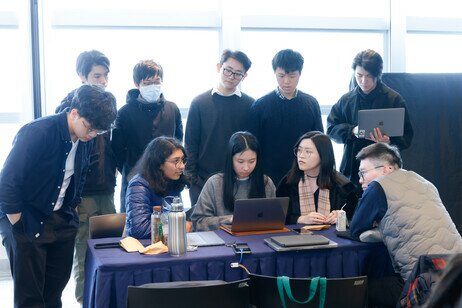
x=109, y=225
x=204, y=294
x=340, y=292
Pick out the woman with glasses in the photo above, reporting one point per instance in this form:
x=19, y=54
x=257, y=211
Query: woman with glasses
x=157, y=174
x=242, y=178
x=316, y=190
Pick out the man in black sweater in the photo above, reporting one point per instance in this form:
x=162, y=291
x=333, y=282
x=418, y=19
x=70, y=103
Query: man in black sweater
x=280, y=117
x=213, y=117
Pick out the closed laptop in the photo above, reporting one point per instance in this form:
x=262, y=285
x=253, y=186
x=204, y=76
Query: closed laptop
x=300, y=240
x=390, y=121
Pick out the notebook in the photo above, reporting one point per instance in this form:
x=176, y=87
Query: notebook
x=300, y=240
x=390, y=121
x=259, y=215
x=204, y=238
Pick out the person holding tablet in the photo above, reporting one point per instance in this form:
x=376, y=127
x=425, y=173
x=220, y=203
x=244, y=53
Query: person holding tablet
x=157, y=174
x=242, y=178
x=316, y=190
x=369, y=93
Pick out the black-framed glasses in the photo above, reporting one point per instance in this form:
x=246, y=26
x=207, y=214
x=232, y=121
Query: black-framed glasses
x=300, y=150
x=178, y=161
x=361, y=174
x=236, y=75
x=91, y=130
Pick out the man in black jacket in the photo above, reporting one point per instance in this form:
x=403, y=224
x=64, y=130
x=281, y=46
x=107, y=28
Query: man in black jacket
x=98, y=191
x=145, y=116
x=370, y=93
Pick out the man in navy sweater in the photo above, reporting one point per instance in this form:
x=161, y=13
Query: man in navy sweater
x=40, y=187
x=280, y=117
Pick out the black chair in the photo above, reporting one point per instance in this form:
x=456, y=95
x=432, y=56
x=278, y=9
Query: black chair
x=204, y=294
x=340, y=292
x=109, y=225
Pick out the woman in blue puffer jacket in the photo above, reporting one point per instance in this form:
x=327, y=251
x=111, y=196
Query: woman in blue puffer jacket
x=157, y=174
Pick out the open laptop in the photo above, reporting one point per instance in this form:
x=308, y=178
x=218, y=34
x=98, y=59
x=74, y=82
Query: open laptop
x=390, y=121
x=259, y=214
x=204, y=238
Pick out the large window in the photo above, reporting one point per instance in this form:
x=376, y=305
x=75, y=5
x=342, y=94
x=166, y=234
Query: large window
x=16, y=104
x=434, y=36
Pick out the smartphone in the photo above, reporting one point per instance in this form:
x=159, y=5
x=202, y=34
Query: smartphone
x=241, y=248
x=301, y=231
x=107, y=245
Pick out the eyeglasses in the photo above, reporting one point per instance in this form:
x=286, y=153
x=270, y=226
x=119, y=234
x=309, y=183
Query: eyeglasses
x=91, y=130
x=298, y=151
x=362, y=174
x=178, y=161
x=228, y=73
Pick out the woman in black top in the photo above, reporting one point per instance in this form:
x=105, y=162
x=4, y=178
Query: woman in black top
x=315, y=188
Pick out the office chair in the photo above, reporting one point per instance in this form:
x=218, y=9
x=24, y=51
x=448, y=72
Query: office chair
x=204, y=294
x=340, y=292
x=109, y=225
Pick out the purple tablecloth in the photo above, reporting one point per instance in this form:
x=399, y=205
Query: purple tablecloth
x=108, y=272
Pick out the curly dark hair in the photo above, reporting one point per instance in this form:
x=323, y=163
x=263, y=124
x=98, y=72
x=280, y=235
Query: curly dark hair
x=148, y=166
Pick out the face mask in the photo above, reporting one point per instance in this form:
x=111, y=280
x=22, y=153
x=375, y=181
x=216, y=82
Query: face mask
x=151, y=93
x=102, y=86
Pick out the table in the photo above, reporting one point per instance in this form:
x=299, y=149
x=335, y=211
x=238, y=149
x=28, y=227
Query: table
x=108, y=272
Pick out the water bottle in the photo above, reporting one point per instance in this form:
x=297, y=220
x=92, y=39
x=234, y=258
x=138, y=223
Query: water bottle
x=156, y=229
x=177, y=229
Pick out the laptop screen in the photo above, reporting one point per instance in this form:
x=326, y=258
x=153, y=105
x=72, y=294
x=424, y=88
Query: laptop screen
x=259, y=214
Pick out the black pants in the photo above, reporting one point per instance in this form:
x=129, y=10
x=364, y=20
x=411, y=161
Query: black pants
x=40, y=267
x=385, y=292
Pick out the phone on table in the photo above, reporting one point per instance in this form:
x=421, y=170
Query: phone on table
x=302, y=231
x=241, y=248
x=107, y=245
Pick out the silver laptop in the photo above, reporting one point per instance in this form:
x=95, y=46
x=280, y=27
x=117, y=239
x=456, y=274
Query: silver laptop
x=204, y=238
x=259, y=214
x=390, y=121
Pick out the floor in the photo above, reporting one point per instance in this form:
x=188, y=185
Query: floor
x=6, y=293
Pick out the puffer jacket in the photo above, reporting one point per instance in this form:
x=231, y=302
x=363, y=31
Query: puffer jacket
x=416, y=222
x=139, y=200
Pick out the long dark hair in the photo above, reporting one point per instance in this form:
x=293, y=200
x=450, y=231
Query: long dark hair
x=240, y=142
x=323, y=145
x=148, y=166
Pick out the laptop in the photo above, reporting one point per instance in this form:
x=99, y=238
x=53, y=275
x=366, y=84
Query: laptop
x=259, y=214
x=276, y=247
x=390, y=121
x=204, y=238
x=300, y=240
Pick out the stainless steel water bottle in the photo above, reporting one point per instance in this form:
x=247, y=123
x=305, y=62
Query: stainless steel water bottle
x=177, y=229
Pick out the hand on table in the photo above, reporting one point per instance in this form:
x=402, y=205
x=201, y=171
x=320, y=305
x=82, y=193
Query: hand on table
x=312, y=218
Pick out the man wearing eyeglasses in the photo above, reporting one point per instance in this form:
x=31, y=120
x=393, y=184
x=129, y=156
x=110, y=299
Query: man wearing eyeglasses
x=410, y=216
x=40, y=187
x=213, y=117
x=280, y=117
x=98, y=192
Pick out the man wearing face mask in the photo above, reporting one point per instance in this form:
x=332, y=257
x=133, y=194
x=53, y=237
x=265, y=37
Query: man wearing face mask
x=145, y=116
